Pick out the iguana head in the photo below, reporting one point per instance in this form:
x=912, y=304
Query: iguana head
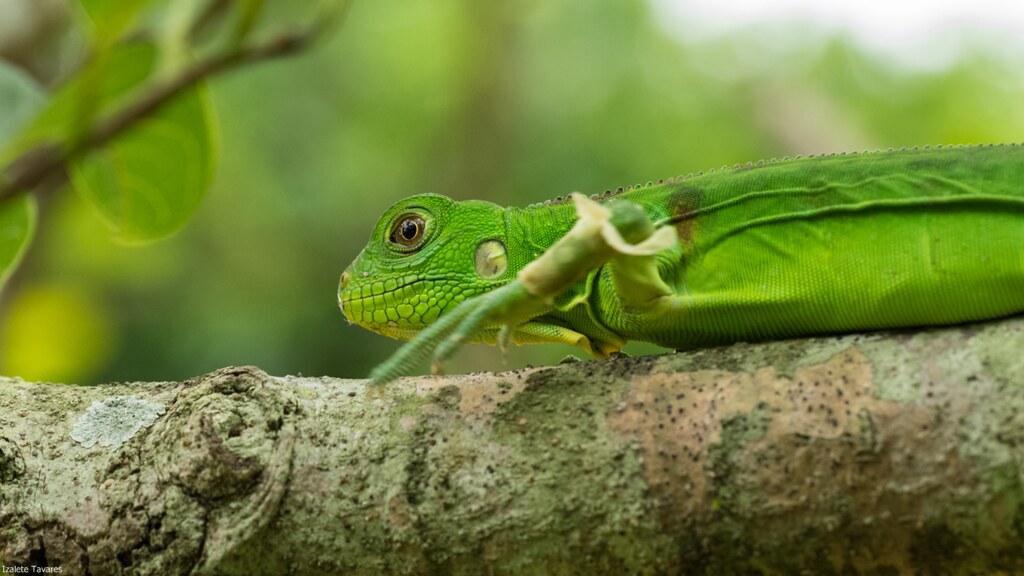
x=427, y=254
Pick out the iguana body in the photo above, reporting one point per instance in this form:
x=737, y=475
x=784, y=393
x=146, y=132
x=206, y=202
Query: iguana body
x=771, y=250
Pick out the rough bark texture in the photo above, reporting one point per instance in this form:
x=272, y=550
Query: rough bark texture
x=882, y=454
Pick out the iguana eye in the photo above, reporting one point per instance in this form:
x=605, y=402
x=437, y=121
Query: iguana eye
x=408, y=231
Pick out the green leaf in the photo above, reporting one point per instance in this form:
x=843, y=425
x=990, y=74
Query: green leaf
x=20, y=100
x=97, y=90
x=249, y=13
x=149, y=181
x=17, y=224
x=112, y=17
x=174, y=35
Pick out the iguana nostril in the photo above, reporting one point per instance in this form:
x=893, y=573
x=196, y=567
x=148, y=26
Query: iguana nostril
x=345, y=277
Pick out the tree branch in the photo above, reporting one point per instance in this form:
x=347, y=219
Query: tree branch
x=887, y=453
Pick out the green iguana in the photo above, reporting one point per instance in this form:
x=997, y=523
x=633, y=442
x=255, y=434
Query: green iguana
x=776, y=249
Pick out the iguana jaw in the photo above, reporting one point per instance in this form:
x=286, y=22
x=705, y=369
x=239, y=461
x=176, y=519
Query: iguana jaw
x=397, y=307
x=361, y=310
x=389, y=328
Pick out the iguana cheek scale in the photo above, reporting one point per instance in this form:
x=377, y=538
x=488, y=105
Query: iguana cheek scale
x=776, y=249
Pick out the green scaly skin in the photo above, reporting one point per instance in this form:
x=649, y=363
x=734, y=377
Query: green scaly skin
x=777, y=249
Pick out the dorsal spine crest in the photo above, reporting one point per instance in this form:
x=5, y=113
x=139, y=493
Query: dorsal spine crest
x=609, y=194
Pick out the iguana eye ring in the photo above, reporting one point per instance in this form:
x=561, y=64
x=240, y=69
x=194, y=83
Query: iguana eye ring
x=408, y=231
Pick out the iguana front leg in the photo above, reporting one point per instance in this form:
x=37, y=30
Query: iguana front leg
x=619, y=232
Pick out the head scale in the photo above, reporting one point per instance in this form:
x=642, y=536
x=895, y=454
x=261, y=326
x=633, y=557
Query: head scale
x=427, y=253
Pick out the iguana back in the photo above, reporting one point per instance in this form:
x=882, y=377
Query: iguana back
x=834, y=244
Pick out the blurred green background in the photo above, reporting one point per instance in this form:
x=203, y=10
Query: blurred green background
x=513, y=102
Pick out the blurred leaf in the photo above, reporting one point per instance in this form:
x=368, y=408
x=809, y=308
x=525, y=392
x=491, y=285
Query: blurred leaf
x=277, y=16
x=174, y=35
x=249, y=13
x=112, y=17
x=330, y=13
x=113, y=21
x=97, y=90
x=147, y=183
x=210, y=19
x=20, y=99
x=17, y=223
x=55, y=333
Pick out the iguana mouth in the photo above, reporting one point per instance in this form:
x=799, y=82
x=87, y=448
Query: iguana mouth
x=355, y=294
x=394, y=313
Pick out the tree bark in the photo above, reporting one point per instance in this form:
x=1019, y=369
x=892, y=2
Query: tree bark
x=896, y=453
